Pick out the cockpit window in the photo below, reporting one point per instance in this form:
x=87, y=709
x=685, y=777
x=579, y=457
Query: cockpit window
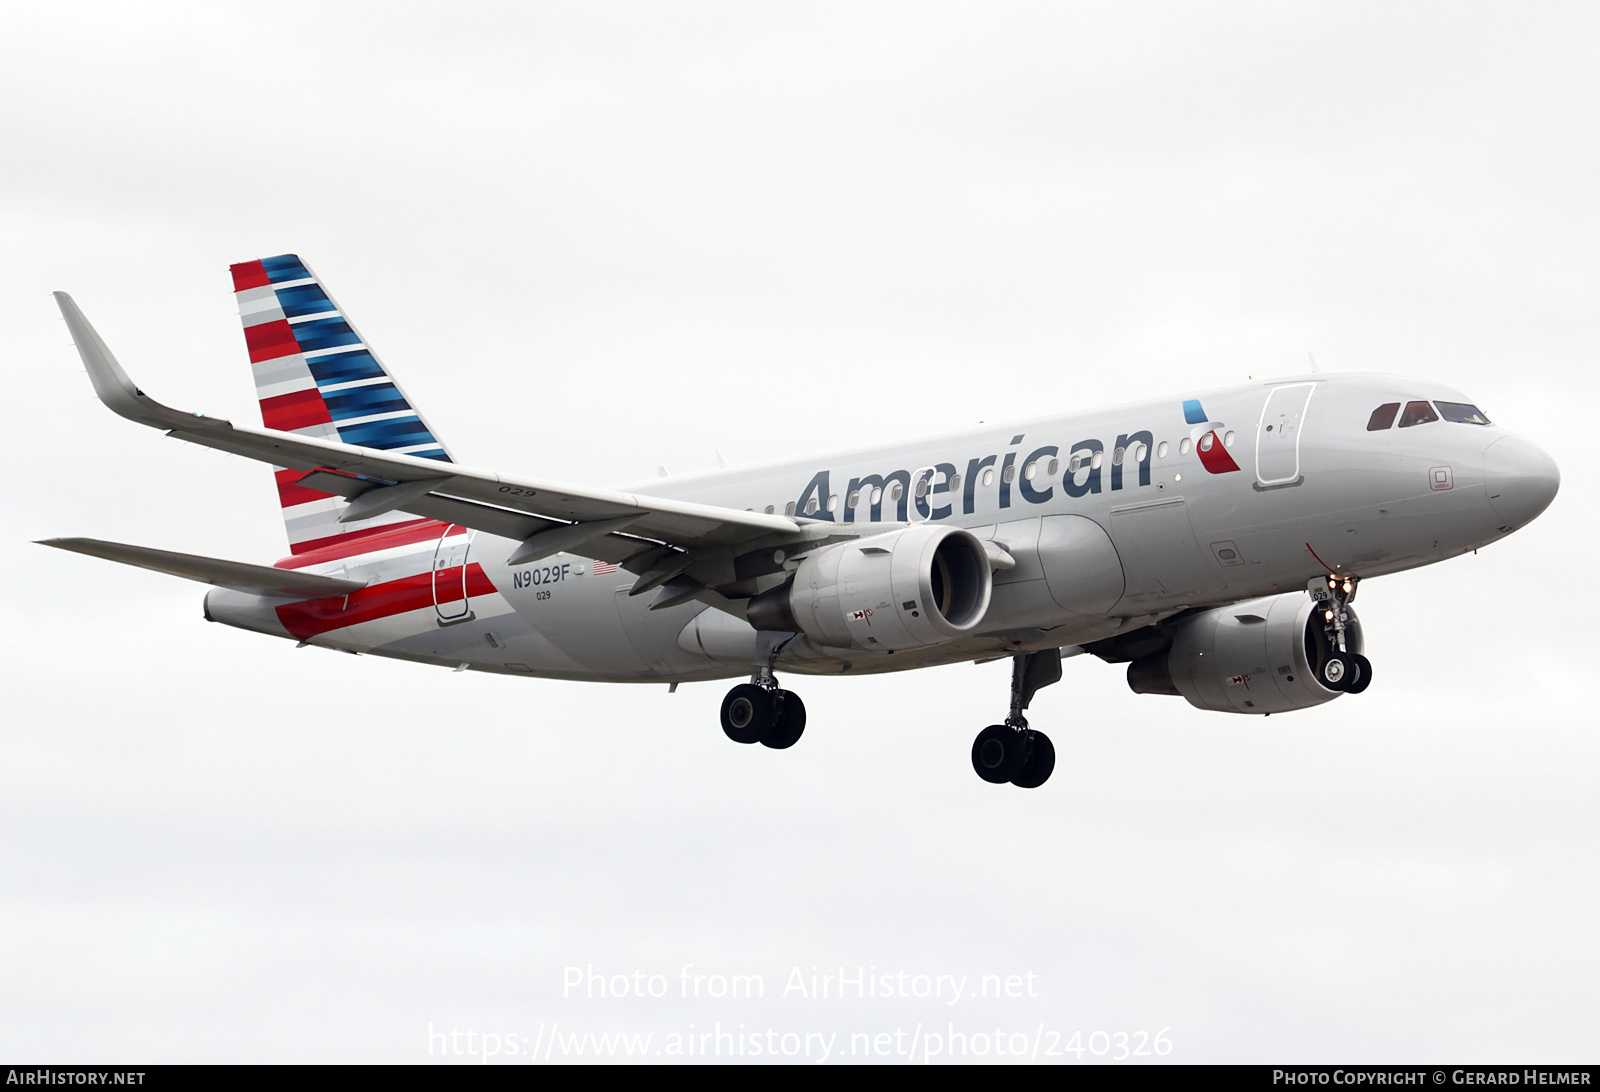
x=1417, y=413
x=1461, y=413
x=1382, y=417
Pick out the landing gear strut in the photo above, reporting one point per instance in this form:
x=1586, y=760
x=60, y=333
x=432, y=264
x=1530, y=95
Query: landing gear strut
x=1340, y=668
x=1012, y=751
x=759, y=712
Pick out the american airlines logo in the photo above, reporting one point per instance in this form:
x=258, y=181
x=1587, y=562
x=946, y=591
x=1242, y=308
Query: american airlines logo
x=940, y=487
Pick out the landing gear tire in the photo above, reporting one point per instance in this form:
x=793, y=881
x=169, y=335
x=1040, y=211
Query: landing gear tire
x=1363, y=673
x=1000, y=752
x=1041, y=763
x=748, y=712
x=1339, y=672
x=788, y=722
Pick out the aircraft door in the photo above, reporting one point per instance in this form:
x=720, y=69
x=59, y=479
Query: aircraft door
x=450, y=560
x=1278, y=435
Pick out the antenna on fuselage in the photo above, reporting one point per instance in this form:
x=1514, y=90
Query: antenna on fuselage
x=1314, y=365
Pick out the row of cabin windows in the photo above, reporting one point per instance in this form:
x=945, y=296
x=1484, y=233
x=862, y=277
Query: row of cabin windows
x=1421, y=413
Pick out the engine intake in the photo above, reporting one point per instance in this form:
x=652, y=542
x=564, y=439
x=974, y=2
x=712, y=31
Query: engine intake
x=905, y=589
x=1258, y=656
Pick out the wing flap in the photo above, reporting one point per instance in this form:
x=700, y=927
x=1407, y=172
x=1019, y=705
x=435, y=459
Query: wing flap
x=463, y=513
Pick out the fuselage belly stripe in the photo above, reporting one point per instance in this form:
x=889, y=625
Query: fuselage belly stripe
x=307, y=619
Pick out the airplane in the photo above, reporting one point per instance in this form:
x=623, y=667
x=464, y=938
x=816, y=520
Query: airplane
x=1213, y=541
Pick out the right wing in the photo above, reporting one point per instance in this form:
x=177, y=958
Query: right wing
x=695, y=547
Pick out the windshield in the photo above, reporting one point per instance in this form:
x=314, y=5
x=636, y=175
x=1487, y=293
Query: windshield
x=1382, y=417
x=1461, y=413
x=1417, y=413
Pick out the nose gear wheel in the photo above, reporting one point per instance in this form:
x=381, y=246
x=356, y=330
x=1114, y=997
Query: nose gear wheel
x=1340, y=668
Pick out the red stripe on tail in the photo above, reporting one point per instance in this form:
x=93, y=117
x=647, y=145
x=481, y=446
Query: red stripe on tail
x=270, y=340
x=249, y=275
x=288, y=412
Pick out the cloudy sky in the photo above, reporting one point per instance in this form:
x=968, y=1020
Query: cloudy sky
x=595, y=238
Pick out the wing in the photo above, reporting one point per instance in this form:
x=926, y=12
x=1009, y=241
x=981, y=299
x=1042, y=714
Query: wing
x=694, y=546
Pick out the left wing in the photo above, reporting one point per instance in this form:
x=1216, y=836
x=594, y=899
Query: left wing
x=259, y=579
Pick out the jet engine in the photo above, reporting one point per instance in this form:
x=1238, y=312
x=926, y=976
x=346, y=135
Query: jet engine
x=905, y=589
x=1259, y=656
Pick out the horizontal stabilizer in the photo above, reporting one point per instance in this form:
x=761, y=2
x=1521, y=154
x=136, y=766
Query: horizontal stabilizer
x=257, y=579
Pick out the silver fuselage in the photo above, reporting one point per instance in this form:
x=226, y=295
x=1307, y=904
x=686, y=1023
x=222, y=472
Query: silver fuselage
x=1313, y=491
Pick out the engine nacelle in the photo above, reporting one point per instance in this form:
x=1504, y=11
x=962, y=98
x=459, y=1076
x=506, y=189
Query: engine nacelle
x=1253, y=657
x=905, y=589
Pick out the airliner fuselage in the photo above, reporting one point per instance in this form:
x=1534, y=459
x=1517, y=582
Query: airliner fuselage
x=1278, y=482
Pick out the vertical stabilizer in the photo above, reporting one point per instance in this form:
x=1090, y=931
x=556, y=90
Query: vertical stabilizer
x=316, y=376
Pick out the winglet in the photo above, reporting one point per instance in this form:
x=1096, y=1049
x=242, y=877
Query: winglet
x=112, y=384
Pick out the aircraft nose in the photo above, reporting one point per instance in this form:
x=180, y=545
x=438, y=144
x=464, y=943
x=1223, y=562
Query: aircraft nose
x=1521, y=479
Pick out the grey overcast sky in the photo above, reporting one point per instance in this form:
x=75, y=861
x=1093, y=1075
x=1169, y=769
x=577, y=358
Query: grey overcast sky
x=593, y=238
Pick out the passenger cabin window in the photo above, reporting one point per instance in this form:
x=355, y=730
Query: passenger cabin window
x=1383, y=417
x=1417, y=413
x=1461, y=413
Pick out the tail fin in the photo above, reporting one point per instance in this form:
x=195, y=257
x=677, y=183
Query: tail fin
x=316, y=376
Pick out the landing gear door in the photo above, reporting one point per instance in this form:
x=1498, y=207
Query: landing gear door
x=1279, y=433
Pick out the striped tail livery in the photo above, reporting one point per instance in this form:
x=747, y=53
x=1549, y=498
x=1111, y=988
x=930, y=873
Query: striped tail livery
x=316, y=376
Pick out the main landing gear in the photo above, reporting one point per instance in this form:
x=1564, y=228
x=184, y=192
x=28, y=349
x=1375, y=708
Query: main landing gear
x=759, y=712
x=1013, y=752
x=1339, y=667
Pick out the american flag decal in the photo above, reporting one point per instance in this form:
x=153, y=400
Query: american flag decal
x=604, y=568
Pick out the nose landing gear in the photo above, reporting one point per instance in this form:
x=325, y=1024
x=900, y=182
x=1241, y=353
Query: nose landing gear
x=1013, y=752
x=1339, y=668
